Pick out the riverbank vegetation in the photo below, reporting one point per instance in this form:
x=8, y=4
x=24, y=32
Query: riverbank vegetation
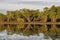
x=31, y=22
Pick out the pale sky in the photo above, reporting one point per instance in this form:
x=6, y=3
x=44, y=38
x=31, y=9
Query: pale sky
x=28, y=0
x=30, y=4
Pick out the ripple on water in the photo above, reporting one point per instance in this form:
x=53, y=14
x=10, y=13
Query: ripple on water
x=4, y=36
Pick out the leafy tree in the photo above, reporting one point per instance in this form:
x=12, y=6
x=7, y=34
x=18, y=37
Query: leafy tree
x=11, y=15
x=58, y=12
x=2, y=17
x=41, y=16
x=45, y=14
x=52, y=13
x=26, y=14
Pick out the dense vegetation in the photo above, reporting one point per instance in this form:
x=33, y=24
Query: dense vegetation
x=30, y=22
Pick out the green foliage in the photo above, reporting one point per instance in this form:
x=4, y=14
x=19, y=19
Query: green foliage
x=41, y=15
x=20, y=20
x=29, y=16
x=2, y=28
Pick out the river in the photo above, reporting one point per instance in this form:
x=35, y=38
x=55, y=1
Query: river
x=4, y=36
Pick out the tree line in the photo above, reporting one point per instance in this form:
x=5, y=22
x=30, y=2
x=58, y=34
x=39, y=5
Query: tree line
x=51, y=14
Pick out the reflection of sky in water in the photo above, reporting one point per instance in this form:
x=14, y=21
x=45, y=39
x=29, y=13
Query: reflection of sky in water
x=4, y=36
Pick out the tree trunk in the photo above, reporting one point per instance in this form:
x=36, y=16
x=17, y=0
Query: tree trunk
x=27, y=28
x=45, y=27
x=53, y=20
x=28, y=19
x=45, y=19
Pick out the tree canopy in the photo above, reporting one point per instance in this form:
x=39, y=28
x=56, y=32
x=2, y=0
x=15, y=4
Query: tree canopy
x=29, y=19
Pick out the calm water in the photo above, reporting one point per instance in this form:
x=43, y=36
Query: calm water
x=4, y=36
